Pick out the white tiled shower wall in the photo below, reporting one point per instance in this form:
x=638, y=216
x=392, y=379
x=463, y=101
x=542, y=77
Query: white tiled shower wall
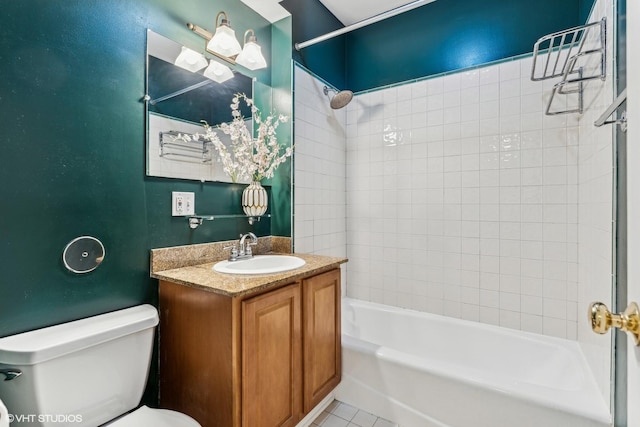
x=463, y=198
x=319, y=170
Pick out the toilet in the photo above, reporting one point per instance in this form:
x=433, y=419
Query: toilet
x=89, y=372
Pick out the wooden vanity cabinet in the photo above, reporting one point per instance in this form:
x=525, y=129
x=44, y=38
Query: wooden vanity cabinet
x=272, y=358
x=259, y=360
x=322, y=337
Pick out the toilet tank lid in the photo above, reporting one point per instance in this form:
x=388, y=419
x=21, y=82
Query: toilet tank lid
x=37, y=346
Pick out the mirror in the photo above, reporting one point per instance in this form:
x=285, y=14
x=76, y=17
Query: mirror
x=177, y=101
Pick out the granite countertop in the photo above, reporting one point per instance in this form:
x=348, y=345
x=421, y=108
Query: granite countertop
x=202, y=276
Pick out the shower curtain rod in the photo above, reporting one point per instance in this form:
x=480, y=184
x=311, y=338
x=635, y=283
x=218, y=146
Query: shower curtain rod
x=368, y=21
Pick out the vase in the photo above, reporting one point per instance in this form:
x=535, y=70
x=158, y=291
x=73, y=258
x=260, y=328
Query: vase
x=254, y=199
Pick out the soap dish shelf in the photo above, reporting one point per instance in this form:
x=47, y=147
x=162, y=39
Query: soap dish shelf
x=558, y=55
x=196, y=220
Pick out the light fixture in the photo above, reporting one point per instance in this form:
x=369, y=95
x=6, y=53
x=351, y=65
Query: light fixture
x=218, y=72
x=224, y=41
x=251, y=55
x=191, y=60
x=224, y=44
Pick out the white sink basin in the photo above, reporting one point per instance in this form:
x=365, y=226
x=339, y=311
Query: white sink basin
x=260, y=264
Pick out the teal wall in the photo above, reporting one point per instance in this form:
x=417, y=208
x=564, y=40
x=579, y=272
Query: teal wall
x=72, y=132
x=327, y=59
x=443, y=36
x=585, y=9
x=282, y=84
x=450, y=35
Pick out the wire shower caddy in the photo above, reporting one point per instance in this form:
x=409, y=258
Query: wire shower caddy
x=564, y=55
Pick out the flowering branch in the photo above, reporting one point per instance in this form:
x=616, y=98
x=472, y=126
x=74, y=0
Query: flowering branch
x=247, y=158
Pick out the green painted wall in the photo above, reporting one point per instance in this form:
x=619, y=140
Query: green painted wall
x=585, y=9
x=282, y=84
x=450, y=35
x=327, y=59
x=72, y=76
x=438, y=37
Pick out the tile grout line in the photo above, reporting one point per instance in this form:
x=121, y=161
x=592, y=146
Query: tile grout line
x=340, y=414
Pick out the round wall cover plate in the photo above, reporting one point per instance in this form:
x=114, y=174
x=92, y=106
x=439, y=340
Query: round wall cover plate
x=83, y=254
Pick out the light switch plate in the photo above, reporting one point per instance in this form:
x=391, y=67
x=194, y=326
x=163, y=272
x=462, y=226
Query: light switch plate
x=183, y=203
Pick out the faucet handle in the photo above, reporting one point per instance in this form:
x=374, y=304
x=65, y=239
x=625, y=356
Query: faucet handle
x=234, y=251
x=248, y=250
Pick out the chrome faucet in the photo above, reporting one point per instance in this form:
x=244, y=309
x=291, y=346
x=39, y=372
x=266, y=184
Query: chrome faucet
x=243, y=250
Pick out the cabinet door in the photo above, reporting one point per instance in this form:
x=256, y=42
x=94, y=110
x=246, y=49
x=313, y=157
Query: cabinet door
x=322, y=343
x=272, y=359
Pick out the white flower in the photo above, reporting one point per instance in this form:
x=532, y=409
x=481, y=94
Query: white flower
x=249, y=158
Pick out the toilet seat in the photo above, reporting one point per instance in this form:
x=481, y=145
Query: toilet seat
x=148, y=417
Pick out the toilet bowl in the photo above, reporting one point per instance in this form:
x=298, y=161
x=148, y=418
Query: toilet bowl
x=147, y=417
x=86, y=373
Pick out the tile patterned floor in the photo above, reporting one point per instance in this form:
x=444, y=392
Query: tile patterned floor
x=340, y=414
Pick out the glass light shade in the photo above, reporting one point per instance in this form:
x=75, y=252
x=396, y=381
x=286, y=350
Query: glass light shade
x=224, y=42
x=190, y=60
x=251, y=57
x=218, y=72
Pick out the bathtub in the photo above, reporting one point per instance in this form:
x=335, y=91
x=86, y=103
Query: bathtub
x=423, y=370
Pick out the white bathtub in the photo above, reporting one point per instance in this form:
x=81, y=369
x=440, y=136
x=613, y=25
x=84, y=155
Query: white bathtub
x=423, y=370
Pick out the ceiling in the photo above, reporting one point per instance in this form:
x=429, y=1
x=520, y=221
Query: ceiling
x=352, y=11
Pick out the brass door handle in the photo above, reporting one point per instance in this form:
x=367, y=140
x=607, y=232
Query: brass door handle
x=602, y=319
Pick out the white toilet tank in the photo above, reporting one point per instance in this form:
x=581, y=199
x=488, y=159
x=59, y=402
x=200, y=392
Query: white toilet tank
x=81, y=373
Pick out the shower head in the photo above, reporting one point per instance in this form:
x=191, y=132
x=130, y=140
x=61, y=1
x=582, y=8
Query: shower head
x=340, y=99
